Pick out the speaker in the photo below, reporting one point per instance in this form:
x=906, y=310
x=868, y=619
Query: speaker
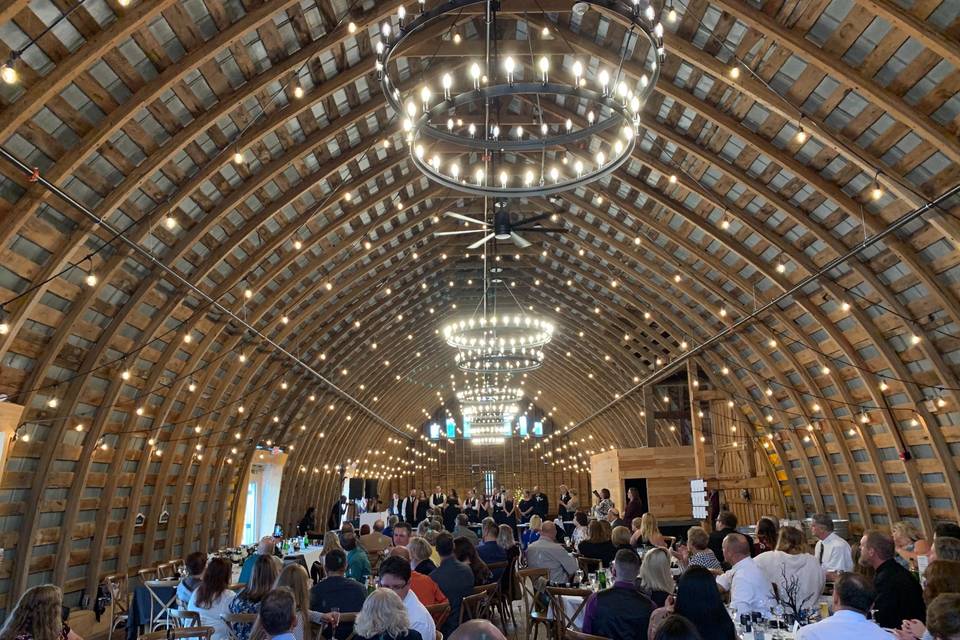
x=370, y=489
x=356, y=489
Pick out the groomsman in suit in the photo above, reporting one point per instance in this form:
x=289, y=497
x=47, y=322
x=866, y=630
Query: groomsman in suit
x=438, y=499
x=409, y=508
x=395, y=506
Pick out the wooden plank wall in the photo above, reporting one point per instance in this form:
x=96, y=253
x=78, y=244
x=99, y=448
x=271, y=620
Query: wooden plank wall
x=668, y=471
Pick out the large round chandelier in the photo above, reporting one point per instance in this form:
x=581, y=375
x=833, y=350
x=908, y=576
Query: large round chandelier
x=504, y=331
x=457, y=138
x=495, y=360
x=490, y=394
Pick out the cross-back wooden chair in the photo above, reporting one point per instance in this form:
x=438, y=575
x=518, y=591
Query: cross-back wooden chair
x=439, y=612
x=160, y=606
x=238, y=624
x=118, y=586
x=589, y=565
x=535, y=614
x=563, y=621
x=573, y=634
x=197, y=633
x=181, y=618
x=166, y=570
x=148, y=574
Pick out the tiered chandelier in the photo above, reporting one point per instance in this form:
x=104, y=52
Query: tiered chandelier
x=455, y=134
x=499, y=344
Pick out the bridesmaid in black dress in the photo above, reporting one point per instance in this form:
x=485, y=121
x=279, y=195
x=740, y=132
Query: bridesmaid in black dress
x=509, y=514
x=564, y=513
x=423, y=503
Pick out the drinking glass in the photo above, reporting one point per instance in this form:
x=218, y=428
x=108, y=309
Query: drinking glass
x=335, y=612
x=579, y=577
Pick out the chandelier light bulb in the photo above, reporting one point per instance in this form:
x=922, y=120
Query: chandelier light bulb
x=455, y=170
x=519, y=132
x=604, y=78
x=509, y=65
x=352, y=27
x=425, y=97
x=379, y=47
x=169, y=222
x=496, y=132
x=385, y=29
x=578, y=167
x=456, y=38
x=554, y=174
x=649, y=13
x=801, y=136
x=472, y=129
x=577, y=70
x=125, y=374
x=447, y=82
x=503, y=179
x=600, y=158
x=411, y=108
x=475, y=74
x=591, y=117
x=569, y=124
x=435, y=162
x=402, y=12
x=528, y=178
x=297, y=245
x=544, y=67
x=479, y=176
x=622, y=90
x=734, y=72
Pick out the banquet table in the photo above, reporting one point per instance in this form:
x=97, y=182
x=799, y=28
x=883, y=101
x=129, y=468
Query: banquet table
x=310, y=555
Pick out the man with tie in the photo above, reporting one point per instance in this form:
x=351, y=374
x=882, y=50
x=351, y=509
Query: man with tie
x=395, y=506
x=832, y=551
x=409, y=508
x=438, y=499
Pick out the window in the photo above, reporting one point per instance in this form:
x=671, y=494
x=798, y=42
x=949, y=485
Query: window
x=488, y=478
x=523, y=426
x=434, y=431
x=250, y=525
x=466, y=429
x=538, y=428
x=451, y=428
x=507, y=429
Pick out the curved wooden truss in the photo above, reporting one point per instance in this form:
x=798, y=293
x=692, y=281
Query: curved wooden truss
x=137, y=113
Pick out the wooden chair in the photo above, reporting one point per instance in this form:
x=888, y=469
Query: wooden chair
x=237, y=587
x=148, y=574
x=236, y=621
x=589, y=565
x=560, y=611
x=479, y=604
x=439, y=612
x=117, y=586
x=200, y=633
x=166, y=570
x=534, y=613
x=159, y=607
x=573, y=634
x=182, y=619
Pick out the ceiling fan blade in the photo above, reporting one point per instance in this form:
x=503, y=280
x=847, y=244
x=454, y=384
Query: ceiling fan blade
x=540, y=216
x=459, y=216
x=543, y=230
x=479, y=243
x=457, y=233
x=519, y=241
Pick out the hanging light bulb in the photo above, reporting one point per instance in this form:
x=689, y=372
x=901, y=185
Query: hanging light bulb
x=237, y=158
x=298, y=92
x=604, y=78
x=447, y=82
x=91, y=279
x=9, y=73
x=169, y=222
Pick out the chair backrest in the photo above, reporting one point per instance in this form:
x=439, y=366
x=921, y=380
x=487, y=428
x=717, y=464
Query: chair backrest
x=166, y=570
x=201, y=633
x=182, y=618
x=474, y=607
x=439, y=635
x=148, y=574
x=439, y=612
x=573, y=634
x=117, y=586
x=234, y=620
x=560, y=612
x=528, y=579
x=152, y=587
x=589, y=565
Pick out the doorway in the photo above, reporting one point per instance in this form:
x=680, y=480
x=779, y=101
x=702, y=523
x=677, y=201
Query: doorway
x=641, y=486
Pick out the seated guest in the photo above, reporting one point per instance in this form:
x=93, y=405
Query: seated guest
x=391, y=523
x=909, y=541
x=454, y=578
x=613, y=517
x=944, y=548
x=696, y=552
x=656, y=580
x=619, y=612
x=211, y=598
x=832, y=552
x=620, y=538
x=278, y=614
x=648, y=534
x=898, y=594
x=597, y=545
x=358, y=562
x=375, y=541
x=395, y=575
x=420, y=556
x=852, y=598
x=337, y=591
x=943, y=616
x=725, y=525
x=677, y=628
x=383, y=617
x=940, y=576
x=462, y=530
x=265, y=547
x=580, y=531
x=767, y=535
x=531, y=533
x=547, y=554
x=426, y=590
x=748, y=587
x=511, y=550
x=789, y=562
x=331, y=541
x=401, y=534
x=946, y=530
x=478, y=630
x=488, y=549
x=195, y=563
x=465, y=552
x=699, y=601
x=265, y=573
x=295, y=577
x=38, y=615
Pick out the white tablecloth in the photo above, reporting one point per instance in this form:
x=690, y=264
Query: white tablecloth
x=310, y=554
x=370, y=518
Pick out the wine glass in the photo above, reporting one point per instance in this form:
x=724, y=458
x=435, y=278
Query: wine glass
x=335, y=614
x=579, y=577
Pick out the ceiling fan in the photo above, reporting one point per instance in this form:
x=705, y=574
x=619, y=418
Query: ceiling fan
x=503, y=228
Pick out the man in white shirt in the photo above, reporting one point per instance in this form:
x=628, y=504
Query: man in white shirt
x=832, y=551
x=395, y=575
x=748, y=586
x=852, y=598
x=545, y=553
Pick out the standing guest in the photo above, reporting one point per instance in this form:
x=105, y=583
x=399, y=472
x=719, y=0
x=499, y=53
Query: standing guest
x=396, y=506
x=541, y=505
x=725, y=525
x=265, y=547
x=337, y=591
x=308, y=522
x=454, y=578
x=619, y=612
x=466, y=552
x=832, y=552
x=265, y=573
x=944, y=617
x=295, y=578
x=358, y=562
x=580, y=530
x=488, y=550
x=450, y=512
x=944, y=548
x=604, y=504
x=898, y=594
x=195, y=564
x=547, y=554
x=420, y=552
x=38, y=615
x=677, y=628
x=613, y=517
x=748, y=587
x=409, y=508
x=526, y=507
x=852, y=597
x=401, y=534
x=909, y=541
x=384, y=617
x=212, y=598
x=376, y=541
x=941, y=576
x=573, y=503
x=634, y=507
x=423, y=504
x=463, y=530
x=598, y=545
x=564, y=512
x=425, y=589
x=647, y=534
x=699, y=601
x=531, y=533
x=697, y=552
x=438, y=499
x=278, y=614
x=337, y=512
x=790, y=562
x=395, y=576
x=656, y=581
x=767, y=536
x=478, y=630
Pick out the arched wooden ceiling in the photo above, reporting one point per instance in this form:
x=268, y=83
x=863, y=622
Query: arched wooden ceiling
x=137, y=111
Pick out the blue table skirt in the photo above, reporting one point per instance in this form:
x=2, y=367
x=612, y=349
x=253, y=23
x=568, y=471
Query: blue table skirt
x=140, y=607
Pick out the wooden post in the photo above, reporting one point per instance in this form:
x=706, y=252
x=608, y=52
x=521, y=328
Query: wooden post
x=648, y=420
x=699, y=456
